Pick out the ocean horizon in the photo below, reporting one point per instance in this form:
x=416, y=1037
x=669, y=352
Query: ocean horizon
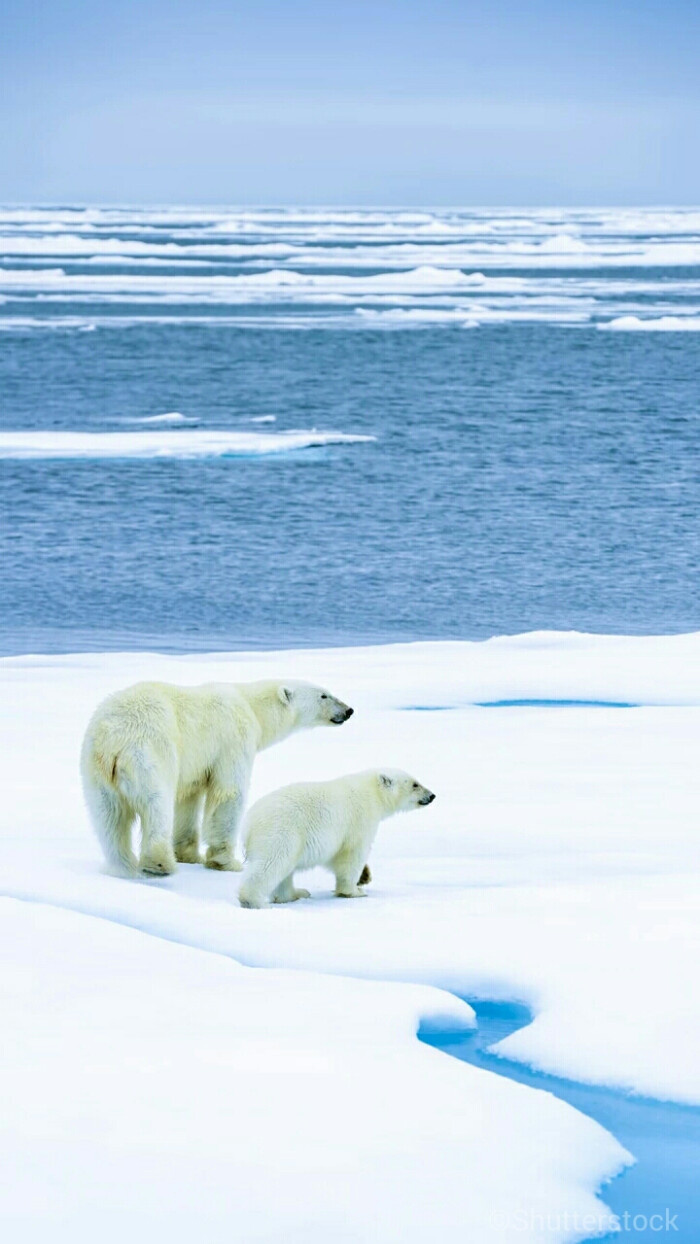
x=233, y=428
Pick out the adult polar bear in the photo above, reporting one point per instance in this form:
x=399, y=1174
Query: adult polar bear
x=178, y=756
x=329, y=823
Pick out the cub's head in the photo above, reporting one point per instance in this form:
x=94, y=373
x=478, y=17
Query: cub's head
x=401, y=792
x=313, y=706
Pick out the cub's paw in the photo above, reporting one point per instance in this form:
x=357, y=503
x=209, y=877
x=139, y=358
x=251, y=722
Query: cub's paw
x=251, y=900
x=292, y=897
x=351, y=892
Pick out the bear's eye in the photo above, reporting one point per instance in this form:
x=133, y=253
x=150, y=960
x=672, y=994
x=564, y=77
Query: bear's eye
x=415, y=786
x=324, y=696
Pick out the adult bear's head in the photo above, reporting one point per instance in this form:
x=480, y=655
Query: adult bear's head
x=283, y=707
x=309, y=705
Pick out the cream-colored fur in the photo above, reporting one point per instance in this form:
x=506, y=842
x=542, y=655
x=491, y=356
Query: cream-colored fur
x=329, y=823
x=180, y=759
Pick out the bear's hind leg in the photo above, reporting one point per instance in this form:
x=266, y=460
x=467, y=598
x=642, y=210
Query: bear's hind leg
x=267, y=870
x=256, y=889
x=187, y=821
x=286, y=891
x=157, y=855
x=113, y=820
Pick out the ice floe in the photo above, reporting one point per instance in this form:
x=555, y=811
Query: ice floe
x=185, y=444
x=558, y=867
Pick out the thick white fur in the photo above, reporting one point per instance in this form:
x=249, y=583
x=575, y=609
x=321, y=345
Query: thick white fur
x=180, y=759
x=329, y=823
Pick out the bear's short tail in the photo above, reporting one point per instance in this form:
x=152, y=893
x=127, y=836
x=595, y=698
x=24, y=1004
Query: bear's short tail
x=112, y=819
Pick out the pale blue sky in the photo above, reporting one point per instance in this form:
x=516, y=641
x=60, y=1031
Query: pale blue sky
x=394, y=101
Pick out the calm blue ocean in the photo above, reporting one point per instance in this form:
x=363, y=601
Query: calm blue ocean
x=496, y=422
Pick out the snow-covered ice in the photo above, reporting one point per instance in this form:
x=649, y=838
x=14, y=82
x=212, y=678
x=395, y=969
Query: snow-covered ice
x=185, y=444
x=169, y=417
x=664, y=323
x=420, y=315
x=175, y=1063
x=582, y=268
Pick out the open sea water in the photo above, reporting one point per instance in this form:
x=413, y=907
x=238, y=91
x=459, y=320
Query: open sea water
x=234, y=428
x=654, y=1199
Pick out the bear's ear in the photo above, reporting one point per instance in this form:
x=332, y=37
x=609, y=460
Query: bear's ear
x=385, y=780
x=285, y=694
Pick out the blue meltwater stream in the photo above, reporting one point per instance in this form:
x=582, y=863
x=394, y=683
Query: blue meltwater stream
x=659, y=1197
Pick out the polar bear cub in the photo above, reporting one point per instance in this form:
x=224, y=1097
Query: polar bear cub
x=180, y=758
x=329, y=823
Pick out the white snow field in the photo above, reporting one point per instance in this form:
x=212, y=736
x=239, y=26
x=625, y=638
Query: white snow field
x=177, y=1066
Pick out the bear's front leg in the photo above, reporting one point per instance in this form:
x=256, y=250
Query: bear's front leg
x=221, y=819
x=347, y=869
x=348, y=889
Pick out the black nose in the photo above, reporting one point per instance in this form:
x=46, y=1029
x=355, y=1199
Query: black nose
x=342, y=716
x=428, y=798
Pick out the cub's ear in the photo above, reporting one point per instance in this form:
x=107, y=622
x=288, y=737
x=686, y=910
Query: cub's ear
x=285, y=694
x=385, y=780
